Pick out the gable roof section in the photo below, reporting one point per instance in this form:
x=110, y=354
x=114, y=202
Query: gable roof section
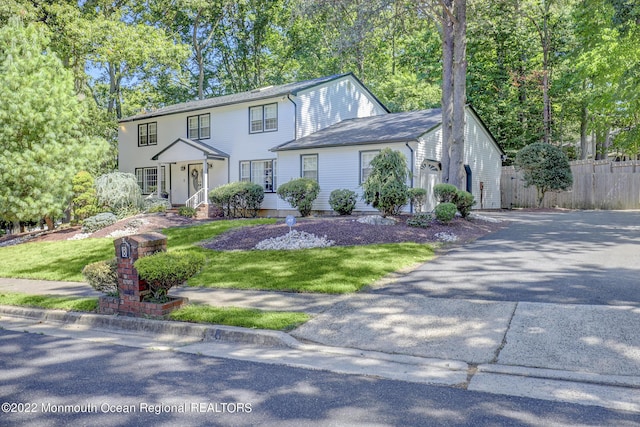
x=248, y=96
x=209, y=151
x=385, y=128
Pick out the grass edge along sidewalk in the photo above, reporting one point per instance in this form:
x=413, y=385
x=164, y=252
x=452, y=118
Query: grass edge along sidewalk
x=191, y=313
x=332, y=270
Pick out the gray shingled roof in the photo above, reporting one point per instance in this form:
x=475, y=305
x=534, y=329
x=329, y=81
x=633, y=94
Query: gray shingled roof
x=395, y=127
x=236, y=98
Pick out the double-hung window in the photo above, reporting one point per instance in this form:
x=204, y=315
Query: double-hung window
x=263, y=118
x=309, y=166
x=199, y=127
x=261, y=172
x=147, y=134
x=148, y=179
x=365, y=163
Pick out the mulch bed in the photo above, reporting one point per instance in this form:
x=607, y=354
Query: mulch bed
x=347, y=231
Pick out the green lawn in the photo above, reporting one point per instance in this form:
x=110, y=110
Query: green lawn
x=230, y=316
x=328, y=270
x=49, y=302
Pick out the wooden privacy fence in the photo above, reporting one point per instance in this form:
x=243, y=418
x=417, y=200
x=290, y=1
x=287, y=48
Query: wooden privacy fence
x=597, y=184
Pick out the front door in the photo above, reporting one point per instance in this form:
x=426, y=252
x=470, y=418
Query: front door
x=195, y=178
x=429, y=177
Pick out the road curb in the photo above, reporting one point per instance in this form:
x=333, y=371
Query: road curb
x=156, y=327
x=552, y=374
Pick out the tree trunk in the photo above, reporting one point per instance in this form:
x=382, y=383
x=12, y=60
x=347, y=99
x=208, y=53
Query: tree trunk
x=447, y=86
x=456, y=171
x=584, y=142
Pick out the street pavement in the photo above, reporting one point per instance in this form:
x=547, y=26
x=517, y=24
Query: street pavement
x=548, y=307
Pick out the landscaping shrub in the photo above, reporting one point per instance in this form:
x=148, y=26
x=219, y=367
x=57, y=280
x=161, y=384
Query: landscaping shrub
x=422, y=220
x=544, y=166
x=464, y=201
x=445, y=212
x=98, y=222
x=153, y=204
x=445, y=193
x=119, y=192
x=385, y=188
x=343, y=201
x=417, y=197
x=164, y=270
x=103, y=276
x=300, y=194
x=187, y=211
x=238, y=199
x=84, y=203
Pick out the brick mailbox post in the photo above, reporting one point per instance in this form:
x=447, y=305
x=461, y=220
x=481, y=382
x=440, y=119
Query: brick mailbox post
x=131, y=289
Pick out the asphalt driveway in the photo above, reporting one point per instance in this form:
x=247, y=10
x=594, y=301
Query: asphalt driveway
x=566, y=257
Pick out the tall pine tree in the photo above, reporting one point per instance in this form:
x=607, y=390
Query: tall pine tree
x=43, y=128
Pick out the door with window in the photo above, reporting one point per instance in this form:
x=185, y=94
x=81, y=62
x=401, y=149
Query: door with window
x=430, y=175
x=195, y=178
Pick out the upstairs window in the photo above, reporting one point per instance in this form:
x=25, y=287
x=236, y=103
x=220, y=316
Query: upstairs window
x=263, y=118
x=309, y=166
x=199, y=127
x=147, y=134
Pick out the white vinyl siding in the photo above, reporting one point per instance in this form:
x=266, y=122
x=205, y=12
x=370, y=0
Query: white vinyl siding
x=309, y=166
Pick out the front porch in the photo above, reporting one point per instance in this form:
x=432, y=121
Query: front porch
x=191, y=169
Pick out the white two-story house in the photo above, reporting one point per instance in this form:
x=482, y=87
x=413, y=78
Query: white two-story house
x=327, y=129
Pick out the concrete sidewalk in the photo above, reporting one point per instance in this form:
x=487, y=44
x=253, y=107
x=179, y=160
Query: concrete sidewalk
x=575, y=353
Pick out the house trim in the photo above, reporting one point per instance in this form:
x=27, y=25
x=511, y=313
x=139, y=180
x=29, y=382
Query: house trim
x=209, y=151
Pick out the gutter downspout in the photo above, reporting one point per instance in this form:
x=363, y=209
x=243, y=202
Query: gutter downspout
x=411, y=171
x=295, y=117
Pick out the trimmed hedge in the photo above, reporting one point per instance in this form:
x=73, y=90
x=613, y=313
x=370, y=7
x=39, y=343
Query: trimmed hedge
x=445, y=193
x=164, y=270
x=445, y=212
x=343, y=201
x=300, y=194
x=238, y=199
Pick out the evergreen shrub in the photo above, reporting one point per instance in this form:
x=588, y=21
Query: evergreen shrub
x=300, y=193
x=343, y=201
x=445, y=212
x=84, y=203
x=464, y=201
x=98, y=222
x=103, y=276
x=187, y=211
x=422, y=220
x=238, y=199
x=164, y=270
x=385, y=188
x=417, y=197
x=119, y=192
x=445, y=193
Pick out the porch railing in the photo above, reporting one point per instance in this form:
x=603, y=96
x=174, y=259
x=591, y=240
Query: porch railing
x=197, y=199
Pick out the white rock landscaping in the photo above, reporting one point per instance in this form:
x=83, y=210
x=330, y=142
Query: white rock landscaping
x=294, y=240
